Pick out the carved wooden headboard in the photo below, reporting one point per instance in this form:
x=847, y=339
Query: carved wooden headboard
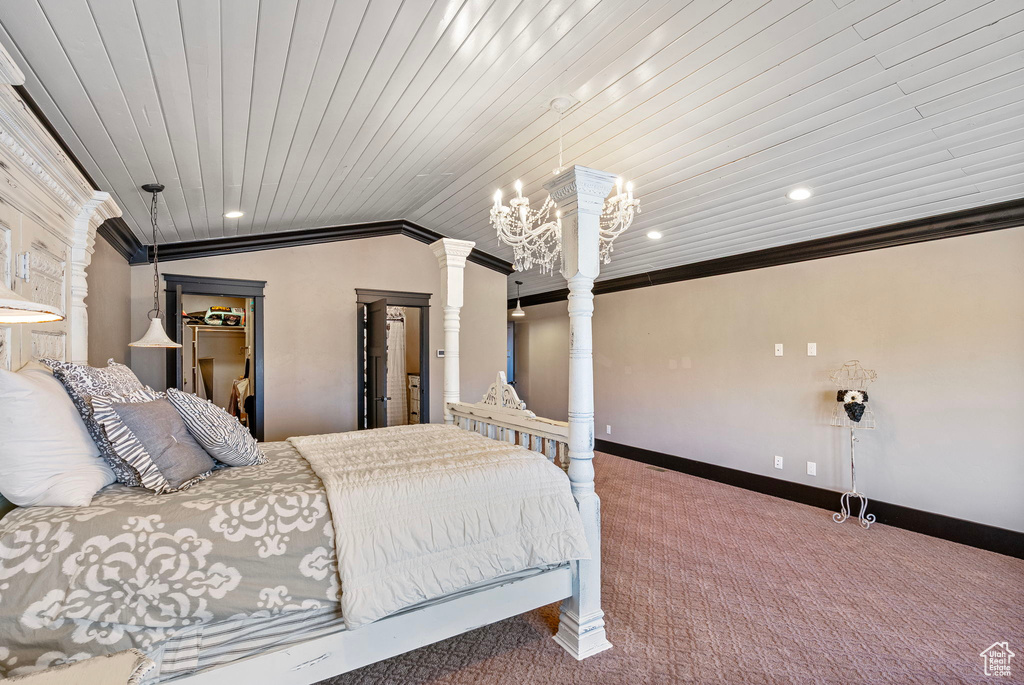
x=49, y=213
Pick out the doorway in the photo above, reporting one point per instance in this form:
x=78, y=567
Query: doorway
x=393, y=350
x=219, y=323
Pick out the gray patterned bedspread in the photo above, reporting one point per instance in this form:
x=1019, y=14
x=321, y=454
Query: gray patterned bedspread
x=134, y=568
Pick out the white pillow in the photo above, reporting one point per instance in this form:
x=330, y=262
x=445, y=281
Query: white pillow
x=47, y=458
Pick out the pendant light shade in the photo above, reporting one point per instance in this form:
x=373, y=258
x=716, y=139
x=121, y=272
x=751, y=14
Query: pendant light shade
x=518, y=311
x=17, y=309
x=155, y=336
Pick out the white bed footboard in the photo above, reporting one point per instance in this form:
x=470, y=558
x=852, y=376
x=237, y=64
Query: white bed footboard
x=501, y=415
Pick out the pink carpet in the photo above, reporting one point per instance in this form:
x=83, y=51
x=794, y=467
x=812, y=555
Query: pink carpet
x=706, y=583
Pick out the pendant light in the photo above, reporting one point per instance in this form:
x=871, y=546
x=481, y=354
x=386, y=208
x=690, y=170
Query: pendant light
x=17, y=309
x=156, y=336
x=518, y=311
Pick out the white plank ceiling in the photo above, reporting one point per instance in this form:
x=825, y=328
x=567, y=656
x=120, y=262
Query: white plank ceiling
x=307, y=113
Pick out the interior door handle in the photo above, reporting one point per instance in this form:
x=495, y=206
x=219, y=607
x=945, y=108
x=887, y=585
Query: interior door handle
x=383, y=399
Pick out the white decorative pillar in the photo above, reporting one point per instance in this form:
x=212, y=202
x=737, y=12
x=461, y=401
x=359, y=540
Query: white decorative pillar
x=93, y=213
x=451, y=255
x=580, y=193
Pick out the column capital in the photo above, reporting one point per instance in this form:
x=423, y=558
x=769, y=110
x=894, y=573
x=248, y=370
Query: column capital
x=579, y=193
x=451, y=257
x=581, y=189
x=452, y=252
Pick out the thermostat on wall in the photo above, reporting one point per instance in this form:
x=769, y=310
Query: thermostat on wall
x=440, y=354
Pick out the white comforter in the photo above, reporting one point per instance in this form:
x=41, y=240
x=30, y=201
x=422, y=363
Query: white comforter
x=422, y=511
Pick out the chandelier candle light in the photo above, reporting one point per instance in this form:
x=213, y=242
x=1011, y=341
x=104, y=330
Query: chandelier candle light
x=536, y=237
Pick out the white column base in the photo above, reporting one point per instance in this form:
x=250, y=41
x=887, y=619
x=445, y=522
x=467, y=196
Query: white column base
x=582, y=641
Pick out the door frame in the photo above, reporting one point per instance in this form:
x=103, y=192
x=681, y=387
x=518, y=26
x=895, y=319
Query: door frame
x=180, y=284
x=395, y=298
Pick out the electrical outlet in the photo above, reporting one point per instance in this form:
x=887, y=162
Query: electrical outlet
x=608, y=429
x=812, y=349
x=812, y=468
x=778, y=462
x=778, y=349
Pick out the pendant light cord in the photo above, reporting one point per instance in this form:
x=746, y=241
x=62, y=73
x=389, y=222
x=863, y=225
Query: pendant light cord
x=156, y=260
x=560, y=113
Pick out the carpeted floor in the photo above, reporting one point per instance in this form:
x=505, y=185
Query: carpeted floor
x=705, y=583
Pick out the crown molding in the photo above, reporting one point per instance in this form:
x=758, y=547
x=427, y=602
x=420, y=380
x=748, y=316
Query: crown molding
x=116, y=232
x=982, y=219
x=193, y=249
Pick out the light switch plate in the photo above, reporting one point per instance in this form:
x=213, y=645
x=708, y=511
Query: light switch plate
x=812, y=349
x=608, y=429
x=440, y=354
x=778, y=349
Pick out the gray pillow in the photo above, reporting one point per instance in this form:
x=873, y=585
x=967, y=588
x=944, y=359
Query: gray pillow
x=152, y=438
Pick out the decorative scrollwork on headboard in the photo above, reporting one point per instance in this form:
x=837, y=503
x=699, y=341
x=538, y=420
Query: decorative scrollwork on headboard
x=501, y=394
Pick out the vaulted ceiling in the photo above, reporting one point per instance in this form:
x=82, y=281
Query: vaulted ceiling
x=308, y=113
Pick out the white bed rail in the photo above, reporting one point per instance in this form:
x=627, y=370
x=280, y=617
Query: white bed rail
x=501, y=415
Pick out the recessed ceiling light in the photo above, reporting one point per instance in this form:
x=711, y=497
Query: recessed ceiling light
x=234, y=215
x=654, y=235
x=799, y=194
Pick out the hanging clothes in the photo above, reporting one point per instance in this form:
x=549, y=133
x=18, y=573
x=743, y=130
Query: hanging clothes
x=398, y=405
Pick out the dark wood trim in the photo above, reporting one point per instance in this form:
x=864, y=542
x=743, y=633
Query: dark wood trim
x=970, y=533
x=360, y=366
x=992, y=217
x=210, y=285
x=178, y=285
x=395, y=298
x=425, y=364
x=116, y=232
x=309, y=236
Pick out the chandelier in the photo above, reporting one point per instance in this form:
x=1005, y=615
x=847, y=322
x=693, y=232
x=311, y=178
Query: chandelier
x=536, y=237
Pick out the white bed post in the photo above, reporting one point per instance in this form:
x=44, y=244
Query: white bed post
x=93, y=213
x=580, y=193
x=451, y=255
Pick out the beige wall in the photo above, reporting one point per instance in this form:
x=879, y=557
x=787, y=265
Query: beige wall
x=310, y=324
x=542, y=356
x=689, y=369
x=108, y=305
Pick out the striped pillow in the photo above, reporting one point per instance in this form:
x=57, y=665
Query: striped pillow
x=218, y=432
x=156, y=448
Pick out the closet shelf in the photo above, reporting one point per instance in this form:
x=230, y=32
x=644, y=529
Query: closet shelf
x=226, y=329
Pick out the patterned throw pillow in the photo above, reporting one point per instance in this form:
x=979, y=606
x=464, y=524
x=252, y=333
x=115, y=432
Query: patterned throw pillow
x=149, y=435
x=218, y=432
x=84, y=382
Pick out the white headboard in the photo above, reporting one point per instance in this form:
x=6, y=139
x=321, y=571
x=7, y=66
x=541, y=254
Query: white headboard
x=49, y=214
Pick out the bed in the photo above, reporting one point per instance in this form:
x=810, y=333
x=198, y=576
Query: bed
x=262, y=602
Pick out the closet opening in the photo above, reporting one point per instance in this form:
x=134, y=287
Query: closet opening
x=393, y=350
x=219, y=323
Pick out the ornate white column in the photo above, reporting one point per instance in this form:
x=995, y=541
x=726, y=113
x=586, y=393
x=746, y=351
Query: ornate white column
x=451, y=255
x=580, y=194
x=93, y=213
